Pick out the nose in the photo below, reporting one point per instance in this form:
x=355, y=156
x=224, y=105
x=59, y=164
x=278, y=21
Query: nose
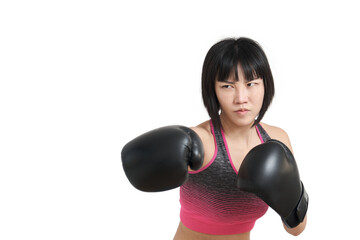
x=241, y=94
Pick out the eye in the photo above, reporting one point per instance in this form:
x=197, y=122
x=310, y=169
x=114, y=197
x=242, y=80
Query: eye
x=226, y=86
x=250, y=84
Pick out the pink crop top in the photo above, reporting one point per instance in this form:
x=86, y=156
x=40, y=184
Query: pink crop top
x=210, y=201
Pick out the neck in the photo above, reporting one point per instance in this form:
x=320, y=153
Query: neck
x=233, y=131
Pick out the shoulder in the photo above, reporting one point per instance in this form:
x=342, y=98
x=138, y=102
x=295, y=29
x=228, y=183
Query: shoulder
x=277, y=133
x=205, y=134
x=204, y=131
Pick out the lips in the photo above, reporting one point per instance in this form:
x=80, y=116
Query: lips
x=242, y=110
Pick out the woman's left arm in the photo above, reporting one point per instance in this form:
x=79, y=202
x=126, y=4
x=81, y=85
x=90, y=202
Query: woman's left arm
x=282, y=136
x=298, y=229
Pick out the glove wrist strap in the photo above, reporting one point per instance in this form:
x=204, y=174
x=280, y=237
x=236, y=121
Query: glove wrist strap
x=298, y=214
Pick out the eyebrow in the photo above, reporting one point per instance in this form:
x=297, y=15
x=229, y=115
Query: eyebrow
x=233, y=82
x=228, y=81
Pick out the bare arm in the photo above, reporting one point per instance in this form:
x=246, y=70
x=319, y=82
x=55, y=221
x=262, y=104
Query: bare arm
x=203, y=130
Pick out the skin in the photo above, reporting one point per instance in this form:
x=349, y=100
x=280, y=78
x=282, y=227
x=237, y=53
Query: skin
x=234, y=97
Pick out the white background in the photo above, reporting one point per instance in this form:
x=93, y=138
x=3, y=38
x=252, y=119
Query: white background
x=81, y=78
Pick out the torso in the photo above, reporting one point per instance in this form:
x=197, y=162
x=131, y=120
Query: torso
x=237, y=149
x=237, y=152
x=184, y=233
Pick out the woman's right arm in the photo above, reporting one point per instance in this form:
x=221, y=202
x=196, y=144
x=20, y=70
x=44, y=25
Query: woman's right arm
x=158, y=160
x=204, y=132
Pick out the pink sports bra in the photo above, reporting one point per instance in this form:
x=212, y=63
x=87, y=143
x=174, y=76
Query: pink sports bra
x=210, y=201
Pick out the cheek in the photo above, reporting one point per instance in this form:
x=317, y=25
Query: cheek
x=259, y=98
x=224, y=99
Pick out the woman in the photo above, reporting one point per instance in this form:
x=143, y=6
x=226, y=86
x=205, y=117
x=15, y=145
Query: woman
x=218, y=194
x=236, y=81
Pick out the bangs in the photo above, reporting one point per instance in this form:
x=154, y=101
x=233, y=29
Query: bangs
x=249, y=61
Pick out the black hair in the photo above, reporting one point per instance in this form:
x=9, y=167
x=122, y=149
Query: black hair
x=223, y=59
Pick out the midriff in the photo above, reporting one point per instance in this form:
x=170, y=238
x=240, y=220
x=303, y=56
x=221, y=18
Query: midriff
x=184, y=233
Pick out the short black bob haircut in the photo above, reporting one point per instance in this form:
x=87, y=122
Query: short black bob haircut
x=223, y=59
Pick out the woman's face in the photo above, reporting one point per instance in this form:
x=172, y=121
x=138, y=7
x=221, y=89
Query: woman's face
x=240, y=101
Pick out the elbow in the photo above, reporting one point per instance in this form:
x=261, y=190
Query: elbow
x=296, y=231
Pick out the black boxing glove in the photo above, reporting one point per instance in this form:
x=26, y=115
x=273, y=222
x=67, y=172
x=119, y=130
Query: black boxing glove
x=269, y=170
x=158, y=160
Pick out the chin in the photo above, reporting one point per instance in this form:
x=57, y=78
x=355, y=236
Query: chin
x=244, y=122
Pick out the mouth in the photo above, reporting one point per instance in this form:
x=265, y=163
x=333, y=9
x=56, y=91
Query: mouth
x=242, y=110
